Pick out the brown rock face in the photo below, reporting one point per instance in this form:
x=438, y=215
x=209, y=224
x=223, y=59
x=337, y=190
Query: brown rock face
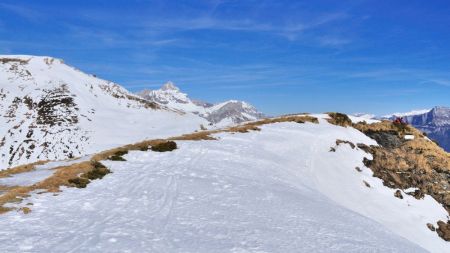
x=431, y=227
x=444, y=230
x=398, y=194
x=403, y=164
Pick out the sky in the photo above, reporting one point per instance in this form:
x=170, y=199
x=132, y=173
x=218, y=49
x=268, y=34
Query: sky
x=365, y=56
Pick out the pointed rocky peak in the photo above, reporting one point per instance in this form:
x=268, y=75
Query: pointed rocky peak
x=439, y=116
x=170, y=86
x=228, y=112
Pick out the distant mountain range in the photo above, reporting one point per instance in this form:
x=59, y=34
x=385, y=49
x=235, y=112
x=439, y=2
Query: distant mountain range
x=436, y=123
x=222, y=114
x=52, y=111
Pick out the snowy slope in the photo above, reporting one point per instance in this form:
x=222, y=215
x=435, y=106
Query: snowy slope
x=274, y=190
x=221, y=114
x=49, y=110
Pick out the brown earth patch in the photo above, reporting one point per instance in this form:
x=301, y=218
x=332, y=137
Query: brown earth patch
x=339, y=119
x=351, y=144
x=20, y=169
x=78, y=174
x=443, y=230
x=403, y=164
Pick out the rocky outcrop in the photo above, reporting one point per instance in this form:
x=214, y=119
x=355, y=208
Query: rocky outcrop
x=409, y=163
x=443, y=230
x=52, y=111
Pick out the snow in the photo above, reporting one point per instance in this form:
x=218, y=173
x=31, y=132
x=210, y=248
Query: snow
x=404, y=114
x=409, y=137
x=28, y=178
x=39, y=173
x=274, y=190
x=365, y=115
x=54, y=164
x=222, y=114
x=107, y=115
x=357, y=119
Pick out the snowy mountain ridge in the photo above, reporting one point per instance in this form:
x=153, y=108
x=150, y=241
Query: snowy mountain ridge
x=221, y=114
x=308, y=183
x=279, y=189
x=404, y=114
x=49, y=110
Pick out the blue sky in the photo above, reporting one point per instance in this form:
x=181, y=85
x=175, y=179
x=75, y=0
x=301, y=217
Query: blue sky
x=375, y=56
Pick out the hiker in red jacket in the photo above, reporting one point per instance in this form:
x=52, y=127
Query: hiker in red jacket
x=399, y=120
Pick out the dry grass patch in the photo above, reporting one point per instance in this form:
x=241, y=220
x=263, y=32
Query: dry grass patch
x=198, y=136
x=118, y=156
x=403, y=164
x=388, y=126
x=25, y=210
x=4, y=188
x=80, y=174
x=98, y=171
x=351, y=144
x=254, y=126
x=339, y=119
x=164, y=146
x=63, y=176
x=20, y=169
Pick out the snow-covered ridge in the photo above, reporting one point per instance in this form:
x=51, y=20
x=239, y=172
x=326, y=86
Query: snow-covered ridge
x=404, y=114
x=221, y=114
x=275, y=190
x=49, y=110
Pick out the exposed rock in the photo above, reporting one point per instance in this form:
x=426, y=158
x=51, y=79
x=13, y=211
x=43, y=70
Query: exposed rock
x=51, y=111
x=417, y=163
x=443, y=230
x=387, y=139
x=398, y=194
x=339, y=142
x=339, y=119
x=431, y=227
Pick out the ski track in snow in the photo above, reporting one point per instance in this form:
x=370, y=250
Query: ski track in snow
x=253, y=192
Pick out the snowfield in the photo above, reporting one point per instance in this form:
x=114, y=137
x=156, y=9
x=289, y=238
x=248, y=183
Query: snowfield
x=52, y=111
x=275, y=190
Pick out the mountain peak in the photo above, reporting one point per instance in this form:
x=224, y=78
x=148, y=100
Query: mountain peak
x=228, y=112
x=441, y=109
x=170, y=86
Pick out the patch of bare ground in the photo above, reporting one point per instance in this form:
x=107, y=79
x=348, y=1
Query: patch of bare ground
x=63, y=176
x=80, y=174
x=254, y=126
x=339, y=119
x=413, y=163
x=351, y=144
x=20, y=169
